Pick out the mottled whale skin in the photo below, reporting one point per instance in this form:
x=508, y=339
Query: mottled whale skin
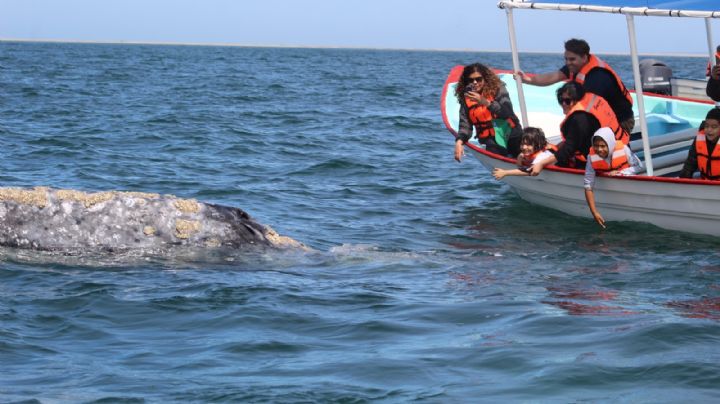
x=59, y=219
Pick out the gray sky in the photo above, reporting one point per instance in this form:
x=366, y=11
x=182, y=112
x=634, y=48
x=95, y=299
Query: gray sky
x=414, y=24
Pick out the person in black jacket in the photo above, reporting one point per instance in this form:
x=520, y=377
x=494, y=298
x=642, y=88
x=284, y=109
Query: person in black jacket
x=485, y=105
x=577, y=130
x=712, y=89
x=703, y=155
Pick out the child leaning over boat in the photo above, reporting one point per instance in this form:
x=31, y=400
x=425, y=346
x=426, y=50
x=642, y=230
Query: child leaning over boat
x=533, y=148
x=704, y=155
x=610, y=157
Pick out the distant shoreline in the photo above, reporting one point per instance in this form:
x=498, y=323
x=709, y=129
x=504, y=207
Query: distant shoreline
x=237, y=45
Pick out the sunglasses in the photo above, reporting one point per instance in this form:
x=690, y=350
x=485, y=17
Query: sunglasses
x=475, y=79
x=566, y=101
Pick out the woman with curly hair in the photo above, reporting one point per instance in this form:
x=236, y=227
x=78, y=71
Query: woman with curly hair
x=485, y=105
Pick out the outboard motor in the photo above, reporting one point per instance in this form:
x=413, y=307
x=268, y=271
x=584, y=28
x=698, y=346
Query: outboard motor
x=655, y=76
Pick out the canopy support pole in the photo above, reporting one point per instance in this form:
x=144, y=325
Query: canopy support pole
x=516, y=67
x=711, y=48
x=639, y=95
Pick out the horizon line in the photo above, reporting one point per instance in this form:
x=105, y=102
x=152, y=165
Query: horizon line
x=356, y=47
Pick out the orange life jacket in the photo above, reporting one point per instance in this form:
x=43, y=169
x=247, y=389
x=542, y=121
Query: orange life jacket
x=618, y=161
x=708, y=164
x=599, y=108
x=482, y=118
x=596, y=62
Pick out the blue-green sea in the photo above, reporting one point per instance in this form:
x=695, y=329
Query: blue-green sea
x=429, y=280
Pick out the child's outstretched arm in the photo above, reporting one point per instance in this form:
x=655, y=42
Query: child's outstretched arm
x=499, y=173
x=589, y=183
x=590, y=198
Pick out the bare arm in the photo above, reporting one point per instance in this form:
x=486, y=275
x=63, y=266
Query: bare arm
x=590, y=198
x=539, y=166
x=542, y=79
x=499, y=173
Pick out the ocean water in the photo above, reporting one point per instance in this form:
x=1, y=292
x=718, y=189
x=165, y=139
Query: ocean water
x=429, y=280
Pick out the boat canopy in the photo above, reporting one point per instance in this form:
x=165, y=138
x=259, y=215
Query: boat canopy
x=658, y=8
x=706, y=9
x=697, y=5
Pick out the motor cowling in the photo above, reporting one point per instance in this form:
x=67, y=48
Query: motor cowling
x=655, y=76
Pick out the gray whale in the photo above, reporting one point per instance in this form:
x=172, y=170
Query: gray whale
x=59, y=219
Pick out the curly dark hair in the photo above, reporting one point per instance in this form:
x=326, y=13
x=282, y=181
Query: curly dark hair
x=491, y=81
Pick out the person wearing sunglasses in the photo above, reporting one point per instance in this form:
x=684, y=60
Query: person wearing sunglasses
x=585, y=113
x=595, y=75
x=485, y=106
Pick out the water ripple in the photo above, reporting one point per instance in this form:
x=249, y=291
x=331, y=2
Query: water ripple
x=430, y=280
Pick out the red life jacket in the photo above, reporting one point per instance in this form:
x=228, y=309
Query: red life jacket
x=596, y=62
x=599, y=108
x=618, y=161
x=528, y=161
x=482, y=118
x=708, y=164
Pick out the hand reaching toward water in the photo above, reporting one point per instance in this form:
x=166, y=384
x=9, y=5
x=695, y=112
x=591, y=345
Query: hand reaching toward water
x=599, y=219
x=498, y=173
x=459, y=150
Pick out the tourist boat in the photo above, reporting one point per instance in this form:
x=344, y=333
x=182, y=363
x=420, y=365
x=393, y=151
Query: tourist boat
x=666, y=128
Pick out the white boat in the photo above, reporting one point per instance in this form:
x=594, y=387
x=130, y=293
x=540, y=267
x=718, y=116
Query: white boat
x=667, y=126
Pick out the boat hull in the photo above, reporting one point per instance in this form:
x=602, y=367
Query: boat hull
x=674, y=204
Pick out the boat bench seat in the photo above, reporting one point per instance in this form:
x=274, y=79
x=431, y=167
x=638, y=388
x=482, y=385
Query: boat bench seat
x=681, y=136
x=669, y=151
x=668, y=163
